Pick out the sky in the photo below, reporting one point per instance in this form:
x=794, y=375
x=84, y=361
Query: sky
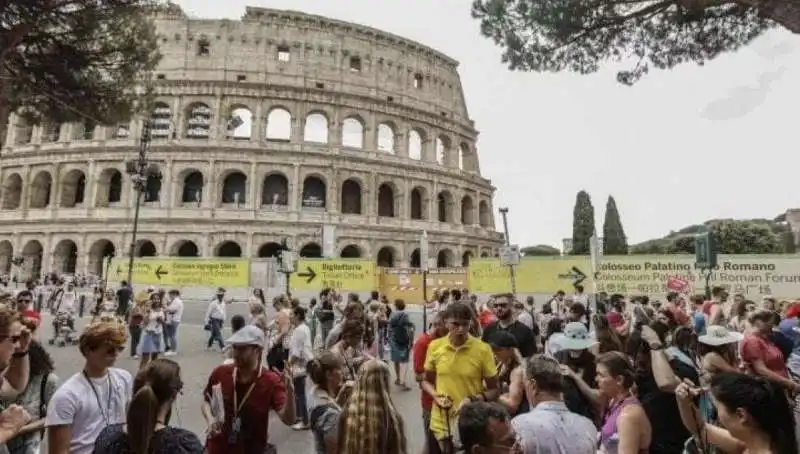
x=678, y=148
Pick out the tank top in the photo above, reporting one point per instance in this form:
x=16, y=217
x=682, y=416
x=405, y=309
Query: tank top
x=608, y=437
x=505, y=383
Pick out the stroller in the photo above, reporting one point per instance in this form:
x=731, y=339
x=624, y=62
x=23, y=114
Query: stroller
x=63, y=330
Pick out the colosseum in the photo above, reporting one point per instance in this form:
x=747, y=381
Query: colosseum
x=273, y=127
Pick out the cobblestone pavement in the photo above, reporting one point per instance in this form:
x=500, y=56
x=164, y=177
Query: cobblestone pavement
x=196, y=364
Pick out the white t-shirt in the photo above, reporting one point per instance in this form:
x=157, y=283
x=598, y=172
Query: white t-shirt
x=177, y=306
x=153, y=326
x=67, y=302
x=90, y=407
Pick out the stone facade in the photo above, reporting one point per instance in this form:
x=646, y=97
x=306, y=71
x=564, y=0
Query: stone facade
x=266, y=128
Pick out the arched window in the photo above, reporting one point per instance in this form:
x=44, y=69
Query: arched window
x=316, y=128
x=279, y=125
x=353, y=133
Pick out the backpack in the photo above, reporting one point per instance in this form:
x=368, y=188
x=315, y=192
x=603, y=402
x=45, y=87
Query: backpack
x=399, y=327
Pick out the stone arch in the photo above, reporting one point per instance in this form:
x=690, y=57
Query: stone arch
x=109, y=187
x=198, y=121
x=467, y=210
x=99, y=252
x=466, y=257
x=6, y=257
x=65, y=257
x=73, y=188
x=445, y=258
x=484, y=255
x=239, y=125
x=228, y=249
x=444, y=206
x=279, y=125
x=386, y=257
x=271, y=249
x=484, y=214
x=351, y=251
x=193, y=184
x=351, y=197
x=415, y=144
x=442, y=150
x=162, y=125
x=315, y=128
x=234, y=188
x=145, y=248
x=314, y=192
x=311, y=250
x=386, y=200
x=12, y=192
x=275, y=190
x=41, y=189
x=415, y=261
x=463, y=156
x=185, y=248
x=353, y=132
x=153, y=185
x=419, y=203
x=386, y=135
x=32, y=254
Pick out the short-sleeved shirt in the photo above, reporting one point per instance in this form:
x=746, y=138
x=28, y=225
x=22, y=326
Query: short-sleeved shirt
x=754, y=348
x=269, y=393
x=552, y=428
x=420, y=352
x=89, y=405
x=460, y=372
x=34, y=399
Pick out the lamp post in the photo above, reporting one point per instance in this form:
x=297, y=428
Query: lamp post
x=512, y=271
x=140, y=171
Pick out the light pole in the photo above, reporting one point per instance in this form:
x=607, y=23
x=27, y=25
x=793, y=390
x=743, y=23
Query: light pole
x=140, y=171
x=512, y=270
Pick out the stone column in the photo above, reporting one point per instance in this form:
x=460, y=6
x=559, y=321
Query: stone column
x=295, y=189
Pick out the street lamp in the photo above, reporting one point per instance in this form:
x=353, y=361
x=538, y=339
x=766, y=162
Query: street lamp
x=140, y=171
x=512, y=269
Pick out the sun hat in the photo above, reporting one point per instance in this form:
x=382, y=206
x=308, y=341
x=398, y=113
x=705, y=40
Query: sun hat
x=574, y=337
x=249, y=335
x=719, y=335
x=503, y=339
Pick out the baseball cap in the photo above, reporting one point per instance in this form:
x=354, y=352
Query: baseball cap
x=502, y=339
x=249, y=335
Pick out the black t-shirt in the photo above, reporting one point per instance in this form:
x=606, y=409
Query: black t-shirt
x=783, y=343
x=669, y=433
x=123, y=297
x=525, y=337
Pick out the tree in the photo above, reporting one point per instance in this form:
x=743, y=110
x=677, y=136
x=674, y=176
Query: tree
x=580, y=35
x=614, y=241
x=539, y=250
x=75, y=60
x=582, y=224
x=750, y=236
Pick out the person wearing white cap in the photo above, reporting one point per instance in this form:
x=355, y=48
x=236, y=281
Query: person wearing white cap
x=249, y=391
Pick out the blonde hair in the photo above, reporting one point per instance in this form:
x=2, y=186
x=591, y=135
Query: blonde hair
x=102, y=333
x=370, y=422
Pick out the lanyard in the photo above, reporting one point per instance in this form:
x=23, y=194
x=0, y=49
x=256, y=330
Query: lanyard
x=106, y=414
x=237, y=407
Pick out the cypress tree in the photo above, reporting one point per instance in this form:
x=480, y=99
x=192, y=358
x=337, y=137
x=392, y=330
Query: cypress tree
x=614, y=241
x=582, y=224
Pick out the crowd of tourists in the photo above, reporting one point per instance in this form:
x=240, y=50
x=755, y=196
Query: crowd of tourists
x=571, y=375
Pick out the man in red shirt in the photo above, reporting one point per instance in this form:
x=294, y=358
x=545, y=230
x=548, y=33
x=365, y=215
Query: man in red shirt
x=249, y=391
x=437, y=330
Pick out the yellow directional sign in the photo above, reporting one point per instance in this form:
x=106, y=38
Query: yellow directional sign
x=228, y=273
x=349, y=274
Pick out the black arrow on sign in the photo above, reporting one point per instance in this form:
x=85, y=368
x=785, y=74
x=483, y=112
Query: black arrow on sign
x=578, y=276
x=160, y=272
x=310, y=275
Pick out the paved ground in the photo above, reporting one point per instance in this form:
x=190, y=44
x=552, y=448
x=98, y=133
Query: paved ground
x=196, y=364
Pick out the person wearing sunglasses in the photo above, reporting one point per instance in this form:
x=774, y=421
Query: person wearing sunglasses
x=94, y=398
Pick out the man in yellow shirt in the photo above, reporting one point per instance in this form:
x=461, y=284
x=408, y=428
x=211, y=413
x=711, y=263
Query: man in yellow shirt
x=459, y=368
